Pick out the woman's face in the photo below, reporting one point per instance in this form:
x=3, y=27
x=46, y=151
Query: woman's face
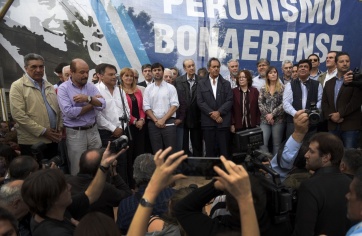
x=127, y=78
x=243, y=81
x=273, y=75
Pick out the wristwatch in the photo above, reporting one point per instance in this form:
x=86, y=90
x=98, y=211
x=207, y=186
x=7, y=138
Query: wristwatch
x=145, y=203
x=89, y=99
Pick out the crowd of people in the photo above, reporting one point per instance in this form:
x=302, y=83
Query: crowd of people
x=79, y=148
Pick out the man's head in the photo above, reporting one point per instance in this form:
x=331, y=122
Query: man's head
x=351, y=161
x=325, y=149
x=314, y=59
x=79, y=70
x=10, y=198
x=147, y=72
x=157, y=71
x=45, y=190
x=354, y=197
x=34, y=66
x=213, y=66
x=233, y=66
x=143, y=168
x=66, y=72
x=22, y=166
x=304, y=67
x=202, y=72
x=59, y=70
x=89, y=161
x=343, y=63
x=295, y=72
x=8, y=223
x=107, y=74
x=287, y=67
x=189, y=67
x=331, y=60
x=4, y=127
x=175, y=73
x=262, y=65
x=167, y=75
x=136, y=75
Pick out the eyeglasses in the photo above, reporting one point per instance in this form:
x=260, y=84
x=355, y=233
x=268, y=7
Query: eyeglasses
x=313, y=60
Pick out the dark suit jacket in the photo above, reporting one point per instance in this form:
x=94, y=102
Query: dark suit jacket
x=193, y=114
x=254, y=108
x=322, y=205
x=143, y=83
x=207, y=102
x=348, y=105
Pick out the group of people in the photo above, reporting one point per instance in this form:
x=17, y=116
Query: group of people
x=195, y=114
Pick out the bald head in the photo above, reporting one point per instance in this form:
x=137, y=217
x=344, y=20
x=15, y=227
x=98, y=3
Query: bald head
x=79, y=70
x=10, y=198
x=89, y=161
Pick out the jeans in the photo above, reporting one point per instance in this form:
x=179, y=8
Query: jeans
x=349, y=138
x=276, y=131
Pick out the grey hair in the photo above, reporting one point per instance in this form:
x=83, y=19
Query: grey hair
x=143, y=168
x=32, y=56
x=233, y=60
x=8, y=193
x=261, y=60
x=68, y=66
x=286, y=61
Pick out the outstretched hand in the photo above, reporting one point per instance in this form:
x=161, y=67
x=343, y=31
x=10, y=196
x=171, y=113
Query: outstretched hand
x=163, y=174
x=109, y=157
x=235, y=180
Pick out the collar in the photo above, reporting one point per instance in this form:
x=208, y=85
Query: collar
x=188, y=78
x=327, y=170
x=217, y=78
x=103, y=86
x=33, y=81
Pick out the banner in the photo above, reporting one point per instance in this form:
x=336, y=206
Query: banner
x=130, y=33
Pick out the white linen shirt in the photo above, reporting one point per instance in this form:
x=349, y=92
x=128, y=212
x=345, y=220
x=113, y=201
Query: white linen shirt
x=108, y=119
x=160, y=98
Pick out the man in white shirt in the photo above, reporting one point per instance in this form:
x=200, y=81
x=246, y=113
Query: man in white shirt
x=233, y=66
x=113, y=119
x=160, y=103
x=331, y=68
x=262, y=66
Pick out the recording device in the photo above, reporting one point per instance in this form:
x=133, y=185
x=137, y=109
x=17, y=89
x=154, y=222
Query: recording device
x=279, y=197
x=313, y=114
x=357, y=76
x=38, y=150
x=200, y=166
x=118, y=144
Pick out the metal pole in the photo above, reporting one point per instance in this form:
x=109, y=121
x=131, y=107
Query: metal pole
x=5, y=9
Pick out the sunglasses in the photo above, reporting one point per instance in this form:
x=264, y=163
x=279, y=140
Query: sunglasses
x=313, y=60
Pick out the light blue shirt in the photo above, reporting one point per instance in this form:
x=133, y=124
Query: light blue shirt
x=355, y=230
x=337, y=87
x=289, y=154
x=288, y=98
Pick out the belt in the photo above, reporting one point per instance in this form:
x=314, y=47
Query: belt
x=82, y=127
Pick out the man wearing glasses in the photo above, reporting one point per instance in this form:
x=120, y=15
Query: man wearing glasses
x=314, y=72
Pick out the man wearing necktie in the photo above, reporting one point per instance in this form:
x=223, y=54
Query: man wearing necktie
x=215, y=98
x=300, y=94
x=187, y=84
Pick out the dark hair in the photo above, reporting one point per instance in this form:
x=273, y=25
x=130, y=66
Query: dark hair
x=42, y=189
x=96, y=224
x=101, y=68
x=358, y=186
x=32, y=56
x=341, y=54
x=87, y=165
x=313, y=54
x=248, y=76
x=178, y=195
x=22, y=166
x=98, y=68
x=353, y=159
x=157, y=65
x=5, y=215
x=145, y=66
x=59, y=68
x=176, y=69
x=7, y=152
x=303, y=61
x=329, y=144
x=202, y=70
x=261, y=60
x=212, y=59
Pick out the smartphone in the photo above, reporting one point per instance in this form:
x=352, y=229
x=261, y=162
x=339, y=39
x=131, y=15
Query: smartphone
x=200, y=166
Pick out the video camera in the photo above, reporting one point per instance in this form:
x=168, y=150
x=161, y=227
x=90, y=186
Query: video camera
x=279, y=197
x=38, y=150
x=118, y=144
x=357, y=76
x=313, y=114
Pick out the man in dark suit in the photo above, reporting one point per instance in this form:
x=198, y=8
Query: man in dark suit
x=215, y=99
x=147, y=75
x=341, y=104
x=322, y=206
x=187, y=84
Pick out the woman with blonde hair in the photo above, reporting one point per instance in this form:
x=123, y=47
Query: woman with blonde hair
x=271, y=108
x=137, y=119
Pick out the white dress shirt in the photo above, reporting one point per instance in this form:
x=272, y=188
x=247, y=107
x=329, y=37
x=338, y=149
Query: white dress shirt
x=160, y=98
x=108, y=119
x=330, y=76
x=214, y=86
x=258, y=82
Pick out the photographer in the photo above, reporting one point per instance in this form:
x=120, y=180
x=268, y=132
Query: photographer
x=283, y=162
x=342, y=104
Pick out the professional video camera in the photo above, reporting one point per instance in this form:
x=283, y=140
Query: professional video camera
x=279, y=197
x=118, y=144
x=313, y=114
x=38, y=152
